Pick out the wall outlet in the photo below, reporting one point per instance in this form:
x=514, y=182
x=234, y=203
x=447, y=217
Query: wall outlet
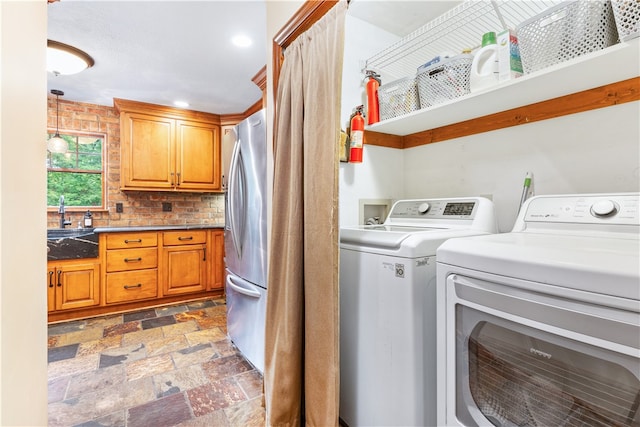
x=119, y=208
x=166, y=206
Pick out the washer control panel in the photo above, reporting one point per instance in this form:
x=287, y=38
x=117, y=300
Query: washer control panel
x=433, y=209
x=621, y=209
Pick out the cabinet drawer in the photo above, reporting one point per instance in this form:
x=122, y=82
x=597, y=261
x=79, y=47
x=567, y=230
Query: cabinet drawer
x=185, y=237
x=131, y=240
x=131, y=259
x=132, y=285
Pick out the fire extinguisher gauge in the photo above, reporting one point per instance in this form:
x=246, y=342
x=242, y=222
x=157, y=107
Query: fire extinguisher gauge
x=372, y=74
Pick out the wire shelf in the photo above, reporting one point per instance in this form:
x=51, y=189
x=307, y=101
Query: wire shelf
x=460, y=28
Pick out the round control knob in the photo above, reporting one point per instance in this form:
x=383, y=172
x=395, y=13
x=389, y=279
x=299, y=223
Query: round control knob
x=423, y=208
x=603, y=208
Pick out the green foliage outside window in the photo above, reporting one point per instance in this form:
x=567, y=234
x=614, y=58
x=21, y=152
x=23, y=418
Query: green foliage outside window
x=76, y=174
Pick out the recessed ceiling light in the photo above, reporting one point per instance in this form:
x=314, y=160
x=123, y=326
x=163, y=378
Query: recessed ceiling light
x=181, y=104
x=241, y=41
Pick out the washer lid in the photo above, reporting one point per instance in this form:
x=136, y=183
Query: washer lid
x=383, y=236
x=604, y=265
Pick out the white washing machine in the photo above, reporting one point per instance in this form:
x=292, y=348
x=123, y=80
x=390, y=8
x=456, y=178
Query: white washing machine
x=541, y=326
x=387, y=308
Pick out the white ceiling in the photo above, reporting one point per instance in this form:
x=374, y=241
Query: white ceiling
x=162, y=51
x=400, y=17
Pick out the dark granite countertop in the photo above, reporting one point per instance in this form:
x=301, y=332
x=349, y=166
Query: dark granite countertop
x=83, y=245
x=157, y=228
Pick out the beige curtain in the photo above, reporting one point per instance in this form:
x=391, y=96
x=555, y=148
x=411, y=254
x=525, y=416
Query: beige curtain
x=302, y=370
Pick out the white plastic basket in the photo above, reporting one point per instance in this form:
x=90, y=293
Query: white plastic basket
x=627, y=16
x=445, y=80
x=398, y=98
x=566, y=31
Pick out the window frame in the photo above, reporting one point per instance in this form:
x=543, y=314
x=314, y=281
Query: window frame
x=103, y=172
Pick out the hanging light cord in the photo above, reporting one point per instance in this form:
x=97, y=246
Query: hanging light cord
x=57, y=93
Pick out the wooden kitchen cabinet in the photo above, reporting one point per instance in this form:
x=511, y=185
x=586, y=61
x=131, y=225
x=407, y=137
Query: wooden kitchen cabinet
x=73, y=284
x=217, y=276
x=165, y=149
x=131, y=261
x=138, y=269
x=184, y=262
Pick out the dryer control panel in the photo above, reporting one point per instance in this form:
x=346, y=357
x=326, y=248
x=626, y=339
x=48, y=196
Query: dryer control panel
x=614, y=209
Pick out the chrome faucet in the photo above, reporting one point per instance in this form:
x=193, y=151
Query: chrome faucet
x=63, y=221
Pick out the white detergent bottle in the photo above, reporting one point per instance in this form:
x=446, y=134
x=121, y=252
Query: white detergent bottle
x=484, y=67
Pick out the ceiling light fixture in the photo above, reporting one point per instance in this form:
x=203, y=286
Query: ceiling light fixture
x=241, y=41
x=56, y=144
x=65, y=59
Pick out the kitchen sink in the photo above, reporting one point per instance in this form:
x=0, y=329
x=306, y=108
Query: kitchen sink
x=62, y=233
x=71, y=243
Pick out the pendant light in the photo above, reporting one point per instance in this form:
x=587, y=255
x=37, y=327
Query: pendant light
x=56, y=144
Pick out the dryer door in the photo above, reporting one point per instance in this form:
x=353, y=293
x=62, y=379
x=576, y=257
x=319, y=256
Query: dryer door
x=516, y=369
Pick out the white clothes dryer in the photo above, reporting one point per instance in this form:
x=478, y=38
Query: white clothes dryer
x=541, y=326
x=387, y=308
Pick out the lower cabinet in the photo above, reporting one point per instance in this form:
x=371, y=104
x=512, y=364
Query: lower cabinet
x=127, y=286
x=73, y=284
x=184, y=262
x=136, y=270
x=132, y=267
x=216, y=244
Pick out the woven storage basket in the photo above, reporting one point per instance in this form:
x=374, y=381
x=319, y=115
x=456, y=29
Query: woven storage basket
x=398, y=97
x=445, y=80
x=627, y=16
x=566, y=31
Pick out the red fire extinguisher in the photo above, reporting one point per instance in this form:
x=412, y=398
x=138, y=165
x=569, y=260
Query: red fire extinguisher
x=357, y=136
x=373, y=112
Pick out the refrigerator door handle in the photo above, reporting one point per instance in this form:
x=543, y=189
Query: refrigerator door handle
x=236, y=199
x=241, y=289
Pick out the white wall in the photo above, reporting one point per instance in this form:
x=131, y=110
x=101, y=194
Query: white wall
x=23, y=222
x=590, y=152
x=378, y=176
x=595, y=151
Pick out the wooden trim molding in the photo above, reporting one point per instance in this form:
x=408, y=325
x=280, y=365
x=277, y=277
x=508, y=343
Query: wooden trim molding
x=591, y=99
x=260, y=79
x=234, y=119
x=384, y=139
x=174, y=113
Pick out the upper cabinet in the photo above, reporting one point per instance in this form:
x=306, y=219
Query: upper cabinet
x=166, y=149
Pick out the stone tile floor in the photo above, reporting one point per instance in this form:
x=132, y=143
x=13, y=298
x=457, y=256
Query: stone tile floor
x=168, y=366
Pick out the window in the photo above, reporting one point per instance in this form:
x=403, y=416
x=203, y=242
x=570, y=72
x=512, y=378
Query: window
x=77, y=174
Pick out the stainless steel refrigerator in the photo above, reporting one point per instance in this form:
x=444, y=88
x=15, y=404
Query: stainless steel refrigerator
x=245, y=239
